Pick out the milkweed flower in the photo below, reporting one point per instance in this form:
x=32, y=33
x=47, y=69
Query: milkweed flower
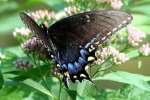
x=35, y=46
x=106, y=52
x=23, y=64
x=42, y=14
x=21, y=32
x=116, y=4
x=71, y=10
x=120, y=58
x=102, y=55
x=31, y=44
x=145, y=49
x=135, y=36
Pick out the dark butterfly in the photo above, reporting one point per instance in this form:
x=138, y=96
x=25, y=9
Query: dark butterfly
x=74, y=39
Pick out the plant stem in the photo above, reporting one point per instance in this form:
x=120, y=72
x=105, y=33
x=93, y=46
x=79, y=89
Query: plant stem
x=60, y=87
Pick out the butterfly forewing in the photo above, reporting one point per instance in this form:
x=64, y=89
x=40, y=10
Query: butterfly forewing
x=35, y=28
x=78, y=30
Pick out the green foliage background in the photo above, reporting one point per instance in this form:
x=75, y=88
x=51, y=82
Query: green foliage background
x=38, y=84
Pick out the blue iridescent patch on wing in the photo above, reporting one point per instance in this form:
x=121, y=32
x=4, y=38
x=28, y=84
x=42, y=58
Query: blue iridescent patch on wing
x=71, y=69
x=77, y=66
x=82, y=61
x=84, y=53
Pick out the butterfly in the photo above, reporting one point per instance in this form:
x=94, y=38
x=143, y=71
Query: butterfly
x=73, y=40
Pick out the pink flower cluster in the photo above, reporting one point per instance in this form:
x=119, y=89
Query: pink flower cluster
x=23, y=64
x=35, y=46
x=71, y=10
x=42, y=14
x=135, y=36
x=31, y=44
x=106, y=52
x=115, y=4
x=21, y=32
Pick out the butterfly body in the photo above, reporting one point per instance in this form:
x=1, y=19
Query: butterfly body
x=73, y=40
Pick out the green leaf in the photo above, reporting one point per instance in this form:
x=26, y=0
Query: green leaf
x=68, y=94
x=10, y=92
x=37, y=86
x=86, y=88
x=85, y=98
x=19, y=52
x=1, y=80
x=138, y=94
x=126, y=92
x=129, y=78
x=133, y=54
